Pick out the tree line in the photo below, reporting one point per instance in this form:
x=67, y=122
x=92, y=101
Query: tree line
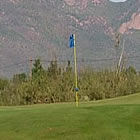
x=56, y=84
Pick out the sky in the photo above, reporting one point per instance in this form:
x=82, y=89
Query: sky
x=118, y=0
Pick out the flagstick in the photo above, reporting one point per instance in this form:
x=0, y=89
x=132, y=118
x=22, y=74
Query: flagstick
x=75, y=67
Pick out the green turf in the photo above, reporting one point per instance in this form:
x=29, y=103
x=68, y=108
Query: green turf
x=113, y=119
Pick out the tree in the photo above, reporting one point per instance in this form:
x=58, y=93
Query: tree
x=19, y=77
x=131, y=70
x=53, y=69
x=37, y=68
x=69, y=68
x=3, y=84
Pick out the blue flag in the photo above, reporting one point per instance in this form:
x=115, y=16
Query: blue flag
x=71, y=41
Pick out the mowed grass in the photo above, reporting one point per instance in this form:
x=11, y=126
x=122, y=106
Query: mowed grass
x=113, y=119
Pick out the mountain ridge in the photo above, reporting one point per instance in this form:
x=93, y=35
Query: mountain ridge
x=41, y=28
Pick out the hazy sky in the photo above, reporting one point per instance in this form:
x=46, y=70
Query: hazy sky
x=118, y=0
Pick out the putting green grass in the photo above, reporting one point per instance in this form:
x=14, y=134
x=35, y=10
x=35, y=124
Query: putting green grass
x=112, y=119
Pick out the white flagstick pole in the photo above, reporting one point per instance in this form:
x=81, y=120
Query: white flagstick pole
x=121, y=56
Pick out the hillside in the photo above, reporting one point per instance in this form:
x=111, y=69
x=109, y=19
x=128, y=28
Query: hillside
x=107, y=119
x=41, y=28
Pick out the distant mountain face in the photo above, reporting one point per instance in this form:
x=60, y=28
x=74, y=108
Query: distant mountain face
x=41, y=28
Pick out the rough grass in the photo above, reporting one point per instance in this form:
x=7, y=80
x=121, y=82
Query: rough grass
x=112, y=119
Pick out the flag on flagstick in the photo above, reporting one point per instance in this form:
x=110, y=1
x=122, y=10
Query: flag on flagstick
x=72, y=45
x=71, y=41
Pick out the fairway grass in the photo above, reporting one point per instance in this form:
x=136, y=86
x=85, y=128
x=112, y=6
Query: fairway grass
x=111, y=119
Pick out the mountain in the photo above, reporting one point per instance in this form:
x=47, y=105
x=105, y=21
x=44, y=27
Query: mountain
x=41, y=29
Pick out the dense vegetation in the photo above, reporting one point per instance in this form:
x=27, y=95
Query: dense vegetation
x=56, y=84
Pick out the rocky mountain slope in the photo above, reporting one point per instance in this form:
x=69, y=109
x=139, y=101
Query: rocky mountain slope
x=41, y=28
